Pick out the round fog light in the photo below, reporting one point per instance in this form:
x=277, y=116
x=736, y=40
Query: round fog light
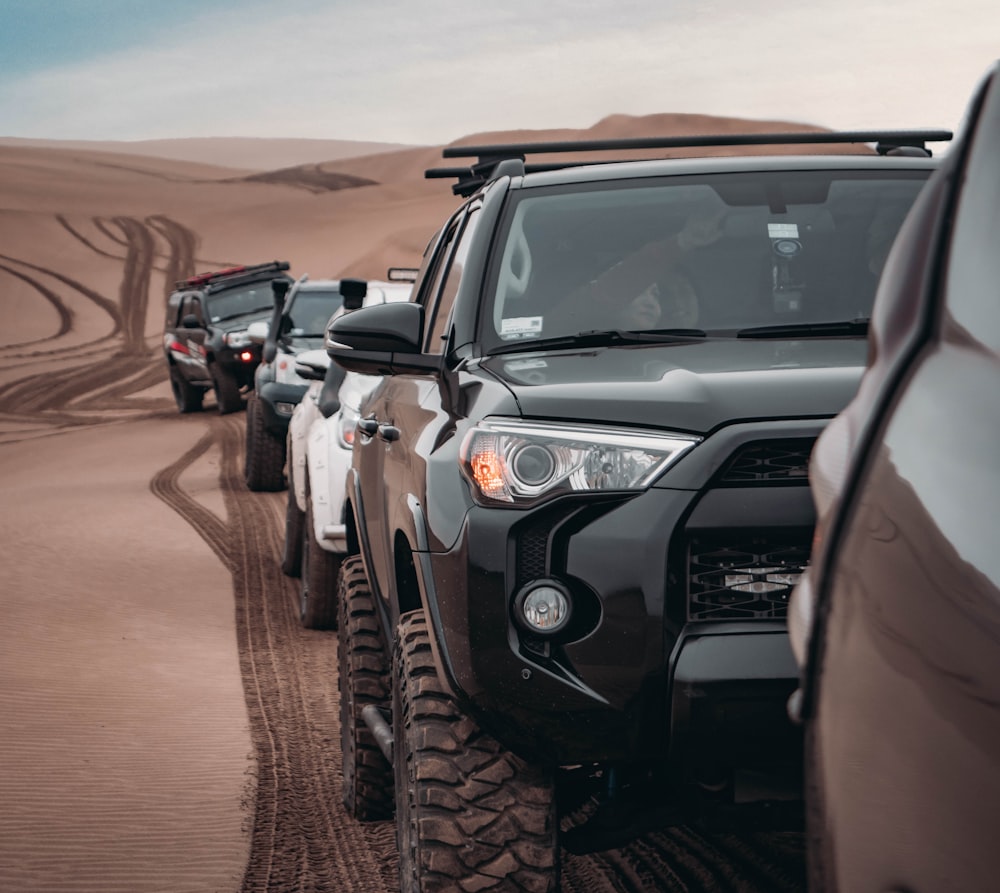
x=543, y=608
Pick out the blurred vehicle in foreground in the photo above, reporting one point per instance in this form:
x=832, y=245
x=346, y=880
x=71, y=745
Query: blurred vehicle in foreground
x=298, y=323
x=320, y=438
x=205, y=337
x=896, y=625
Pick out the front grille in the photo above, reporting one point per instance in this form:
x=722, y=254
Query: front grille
x=744, y=577
x=769, y=462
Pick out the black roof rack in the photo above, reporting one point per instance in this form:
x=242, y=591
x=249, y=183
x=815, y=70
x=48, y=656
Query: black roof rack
x=241, y=271
x=492, y=158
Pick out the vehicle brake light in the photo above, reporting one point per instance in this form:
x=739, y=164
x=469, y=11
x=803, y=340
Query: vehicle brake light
x=246, y=356
x=178, y=347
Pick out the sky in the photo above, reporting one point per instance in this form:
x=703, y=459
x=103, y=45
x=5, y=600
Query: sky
x=427, y=72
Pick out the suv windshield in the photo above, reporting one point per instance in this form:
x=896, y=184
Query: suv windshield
x=721, y=253
x=310, y=312
x=240, y=301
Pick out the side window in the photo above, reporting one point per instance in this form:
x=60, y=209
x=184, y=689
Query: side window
x=192, y=305
x=447, y=279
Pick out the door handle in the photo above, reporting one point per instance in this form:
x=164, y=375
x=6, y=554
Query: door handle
x=388, y=432
x=368, y=427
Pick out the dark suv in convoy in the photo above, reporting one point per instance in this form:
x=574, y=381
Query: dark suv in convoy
x=205, y=337
x=298, y=322
x=896, y=624
x=578, y=499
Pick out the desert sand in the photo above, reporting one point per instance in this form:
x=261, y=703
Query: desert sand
x=165, y=724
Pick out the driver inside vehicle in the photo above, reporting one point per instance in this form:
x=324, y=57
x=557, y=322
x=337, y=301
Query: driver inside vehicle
x=668, y=303
x=662, y=297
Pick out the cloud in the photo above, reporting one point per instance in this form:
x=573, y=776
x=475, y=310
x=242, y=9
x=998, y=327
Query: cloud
x=431, y=72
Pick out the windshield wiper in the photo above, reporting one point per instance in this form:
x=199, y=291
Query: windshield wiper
x=808, y=329
x=240, y=313
x=602, y=338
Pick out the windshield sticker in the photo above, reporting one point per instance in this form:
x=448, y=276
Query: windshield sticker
x=521, y=365
x=783, y=230
x=521, y=327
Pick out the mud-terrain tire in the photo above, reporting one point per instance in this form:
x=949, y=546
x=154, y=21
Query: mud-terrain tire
x=264, y=462
x=227, y=391
x=318, y=589
x=364, y=680
x=469, y=814
x=187, y=396
x=295, y=523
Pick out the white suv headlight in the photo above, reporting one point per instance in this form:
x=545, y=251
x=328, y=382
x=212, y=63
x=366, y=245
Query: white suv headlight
x=237, y=339
x=515, y=462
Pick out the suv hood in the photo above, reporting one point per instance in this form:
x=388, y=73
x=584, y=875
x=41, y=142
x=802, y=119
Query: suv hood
x=691, y=387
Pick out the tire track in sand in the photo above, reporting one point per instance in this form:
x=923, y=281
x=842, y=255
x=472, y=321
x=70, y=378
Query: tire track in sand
x=109, y=307
x=301, y=838
x=133, y=290
x=64, y=313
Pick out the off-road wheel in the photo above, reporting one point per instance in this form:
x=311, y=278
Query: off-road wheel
x=187, y=396
x=295, y=522
x=227, y=391
x=364, y=680
x=469, y=814
x=318, y=589
x=264, y=462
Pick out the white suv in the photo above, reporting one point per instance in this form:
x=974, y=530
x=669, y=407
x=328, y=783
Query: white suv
x=320, y=438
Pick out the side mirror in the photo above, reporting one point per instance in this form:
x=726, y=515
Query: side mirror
x=190, y=321
x=312, y=364
x=257, y=331
x=353, y=291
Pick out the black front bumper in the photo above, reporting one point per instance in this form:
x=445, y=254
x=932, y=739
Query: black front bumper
x=637, y=680
x=727, y=698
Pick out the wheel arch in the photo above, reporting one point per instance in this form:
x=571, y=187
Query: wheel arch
x=408, y=594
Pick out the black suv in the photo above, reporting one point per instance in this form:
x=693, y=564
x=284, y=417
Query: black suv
x=298, y=322
x=205, y=337
x=578, y=499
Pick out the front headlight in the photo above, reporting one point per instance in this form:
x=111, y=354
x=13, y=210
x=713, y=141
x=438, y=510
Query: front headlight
x=236, y=339
x=520, y=463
